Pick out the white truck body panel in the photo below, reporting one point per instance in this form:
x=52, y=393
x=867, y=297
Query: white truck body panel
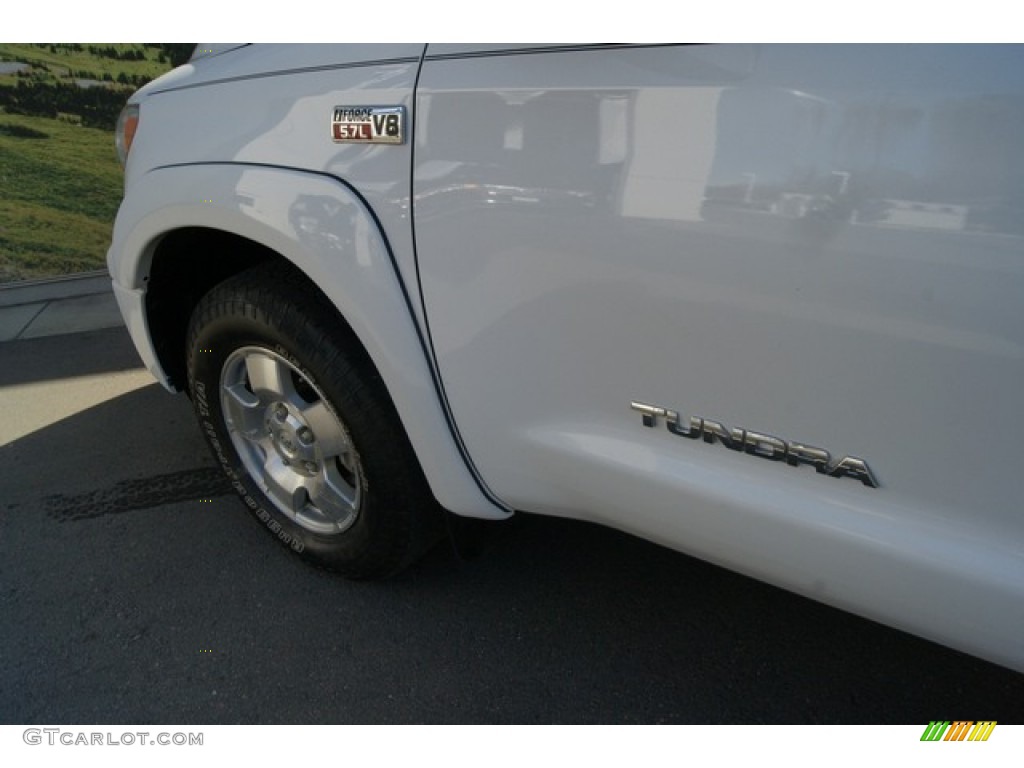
x=339, y=212
x=822, y=245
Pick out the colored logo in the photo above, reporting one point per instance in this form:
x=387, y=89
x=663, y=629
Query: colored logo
x=959, y=730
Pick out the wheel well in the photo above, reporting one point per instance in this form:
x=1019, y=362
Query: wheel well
x=186, y=265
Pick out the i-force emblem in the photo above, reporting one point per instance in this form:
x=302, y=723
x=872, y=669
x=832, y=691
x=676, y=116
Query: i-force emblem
x=368, y=125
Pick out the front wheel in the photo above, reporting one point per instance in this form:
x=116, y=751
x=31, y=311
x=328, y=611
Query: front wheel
x=303, y=426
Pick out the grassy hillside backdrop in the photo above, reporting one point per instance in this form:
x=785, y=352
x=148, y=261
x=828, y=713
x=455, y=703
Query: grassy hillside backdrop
x=60, y=182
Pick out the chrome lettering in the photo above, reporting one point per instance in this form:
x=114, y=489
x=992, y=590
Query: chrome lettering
x=730, y=438
x=765, y=446
x=650, y=413
x=757, y=444
x=850, y=466
x=806, y=454
x=692, y=431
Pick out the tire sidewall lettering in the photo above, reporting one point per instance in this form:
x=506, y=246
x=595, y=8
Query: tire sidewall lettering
x=214, y=437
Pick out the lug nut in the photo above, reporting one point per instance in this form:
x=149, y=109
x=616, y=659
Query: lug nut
x=306, y=435
x=311, y=466
x=281, y=413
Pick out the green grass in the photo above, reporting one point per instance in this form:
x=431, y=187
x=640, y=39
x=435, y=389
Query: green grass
x=58, y=197
x=36, y=241
x=60, y=183
x=63, y=60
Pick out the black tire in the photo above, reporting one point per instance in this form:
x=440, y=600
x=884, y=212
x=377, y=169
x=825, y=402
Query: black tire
x=303, y=426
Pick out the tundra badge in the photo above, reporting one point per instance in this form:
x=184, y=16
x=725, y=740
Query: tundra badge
x=758, y=444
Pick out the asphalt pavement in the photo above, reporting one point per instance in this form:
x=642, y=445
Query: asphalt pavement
x=135, y=589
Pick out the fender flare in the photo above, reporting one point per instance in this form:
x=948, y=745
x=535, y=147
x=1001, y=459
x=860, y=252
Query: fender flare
x=325, y=228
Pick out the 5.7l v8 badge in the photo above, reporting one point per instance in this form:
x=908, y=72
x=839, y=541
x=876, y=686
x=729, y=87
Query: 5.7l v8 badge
x=368, y=125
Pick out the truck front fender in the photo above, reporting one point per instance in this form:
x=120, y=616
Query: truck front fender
x=323, y=227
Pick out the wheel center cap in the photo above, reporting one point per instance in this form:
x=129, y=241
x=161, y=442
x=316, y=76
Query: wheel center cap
x=290, y=435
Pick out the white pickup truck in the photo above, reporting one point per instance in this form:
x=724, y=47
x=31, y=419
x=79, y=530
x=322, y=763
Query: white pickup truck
x=764, y=305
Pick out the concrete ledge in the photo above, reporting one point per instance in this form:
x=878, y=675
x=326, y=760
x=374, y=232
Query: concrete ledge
x=81, y=313
x=54, y=288
x=57, y=306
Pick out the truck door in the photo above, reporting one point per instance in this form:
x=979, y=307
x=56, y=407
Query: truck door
x=676, y=288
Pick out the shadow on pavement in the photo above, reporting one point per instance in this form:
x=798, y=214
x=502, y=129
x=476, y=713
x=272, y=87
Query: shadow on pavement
x=140, y=434
x=54, y=357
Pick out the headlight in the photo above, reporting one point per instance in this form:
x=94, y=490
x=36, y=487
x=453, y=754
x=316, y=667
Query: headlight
x=124, y=134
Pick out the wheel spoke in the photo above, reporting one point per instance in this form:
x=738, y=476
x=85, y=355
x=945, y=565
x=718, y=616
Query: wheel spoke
x=290, y=441
x=284, y=485
x=336, y=499
x=244, y=411
x=330, y=438
x=268, y=376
